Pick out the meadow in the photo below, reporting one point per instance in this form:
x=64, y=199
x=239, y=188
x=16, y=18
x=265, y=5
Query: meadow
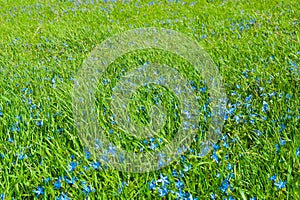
x=255, y=46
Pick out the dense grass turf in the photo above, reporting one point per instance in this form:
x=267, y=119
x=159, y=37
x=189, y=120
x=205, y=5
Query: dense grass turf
x=256, y=46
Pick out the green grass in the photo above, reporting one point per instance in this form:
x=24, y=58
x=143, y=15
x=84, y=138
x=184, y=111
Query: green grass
x=254, y=44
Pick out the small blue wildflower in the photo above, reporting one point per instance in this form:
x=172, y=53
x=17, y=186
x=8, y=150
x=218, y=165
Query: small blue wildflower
x=187, y=168
x=282, y=127
x=153, y=146
x=179, y=184
x=231, y=198
x=174, y=173
x=57, y=184
x=163, y=180
x=60, y=130
x=181, y=194
x=63, y=196
x=86, y=168
x=39, y=191
x=213, y=196
x=46, y=180
x=96, y=165
x=163, y=191
x=298, y=151
x=277, y=146
x=248, y=98
x=190, y=197
x=273, y=178
x=123, y=184
x=72, y=166
x=215, y=157
x=87, y=189
x=71, y=181
x=216, y=147
x=253, y=198
x=2, y=196
x=258, y=132
x=282, y=142
x=87, y=154
x=225, y=186
x=229, y=166
x=22, y=156
x=152, y=185
x=280, y=184
x=40, y=123
x=265, y=106
x=226, y=145
x=203, y=89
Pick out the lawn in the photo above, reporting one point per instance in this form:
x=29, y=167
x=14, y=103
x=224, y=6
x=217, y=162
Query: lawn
x=254, y=45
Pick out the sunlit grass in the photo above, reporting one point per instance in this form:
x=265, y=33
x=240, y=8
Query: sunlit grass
x=255, y=46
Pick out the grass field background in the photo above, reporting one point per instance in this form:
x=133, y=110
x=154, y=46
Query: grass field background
x=256, y=46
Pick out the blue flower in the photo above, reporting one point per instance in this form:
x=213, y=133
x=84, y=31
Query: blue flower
x=190, y=197
x=40, y=123
x=39, y=191
x=213, y=196
x=71, y=181
x=298, y=151
x=280, y=184
x=87, y=154
x=225, y=186
x=258, y=132
x=215, y=157
x=2, y=196
x=277, y=148
x=163, y=180
x=248, y=98
x=123, y=184
x=22, y=156
x=273, y=178
x=163, y=191
x=203, y=89
x=46, y=180
x=229, y=166
x=265, y=106
x=96, y=165
x=187, y=168
x=230, y=198
x=111, y=131
x=72, y=166
x=174, y=173
x=216, y=147
x=87, y=189
x=179, y=184
x=62, y=196
x=152, y=185
x=57, y=184
x=282, y=142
